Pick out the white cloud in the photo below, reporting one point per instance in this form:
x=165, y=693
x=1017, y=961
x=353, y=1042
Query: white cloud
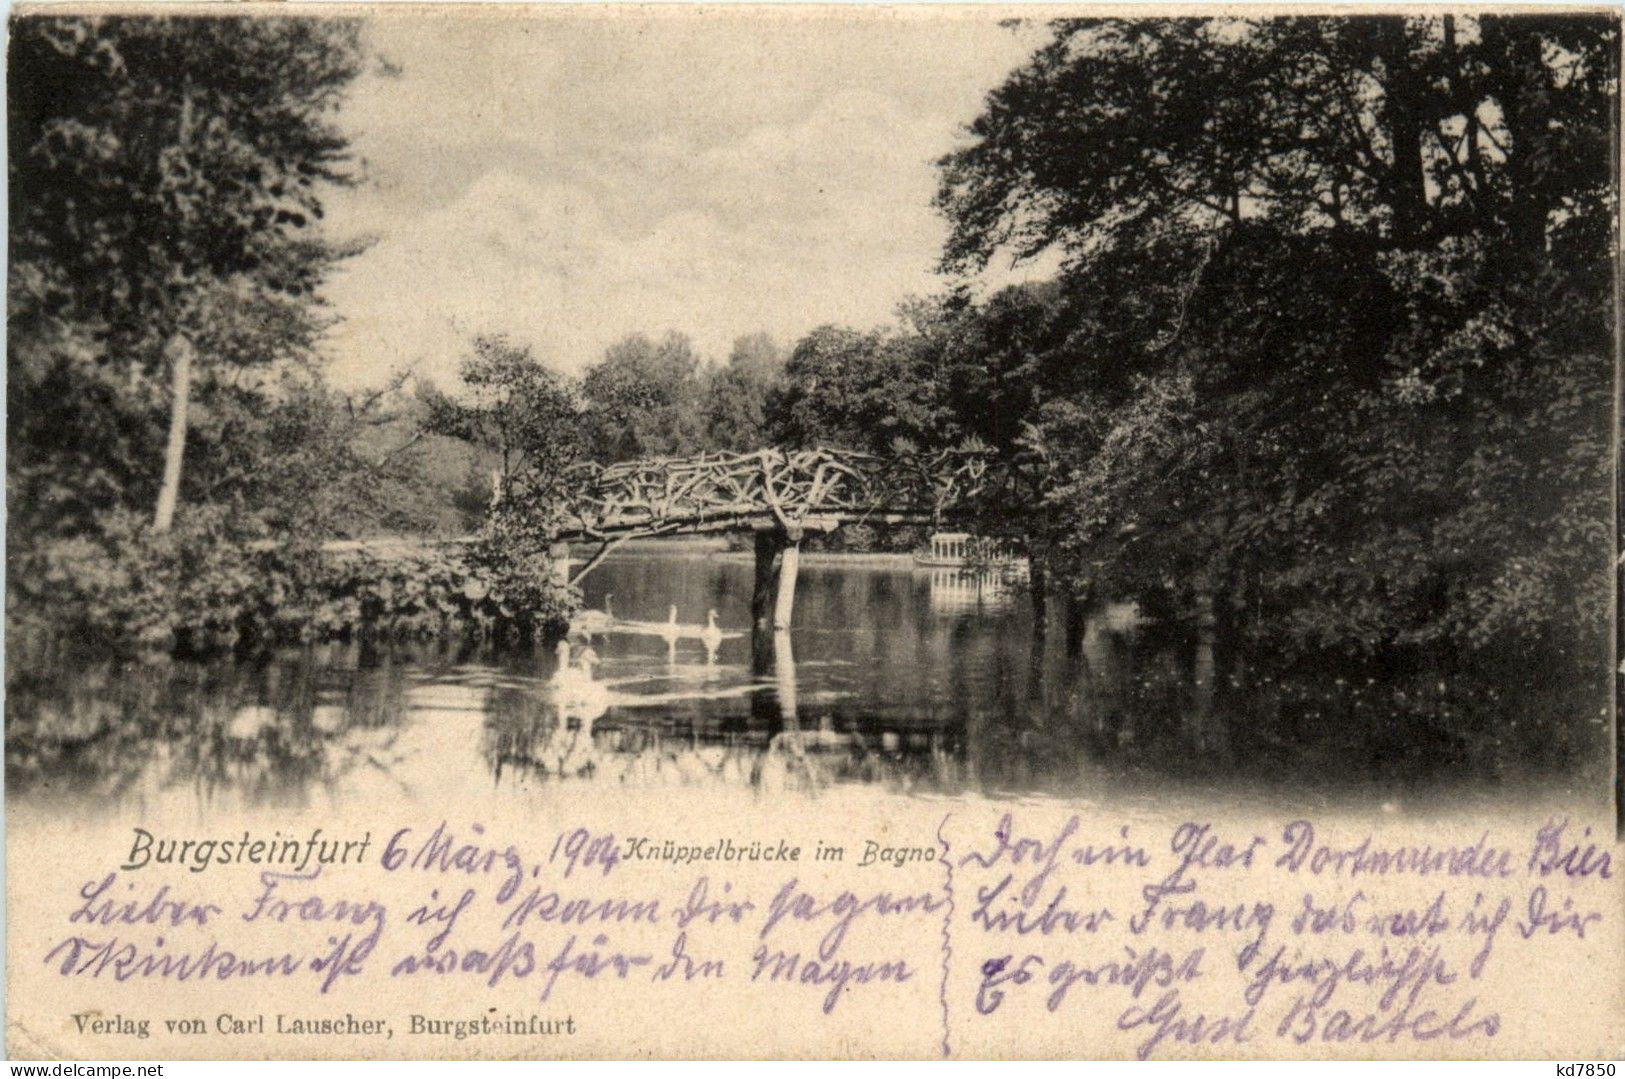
x=572, y=180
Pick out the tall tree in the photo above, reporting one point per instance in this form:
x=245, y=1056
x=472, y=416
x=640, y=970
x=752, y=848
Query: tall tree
x=1331, y=357
x=855, y=390
x=736, y=394
x=1399, y=129
x=644, y=399
x=166, y=174
x=513, y=408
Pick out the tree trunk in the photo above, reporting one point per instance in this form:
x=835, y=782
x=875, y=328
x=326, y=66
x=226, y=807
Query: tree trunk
x=1038, y=581
x=180, y=361
x=784, y=599
x=769, y=556
x=179, y=351
x=1405, y=92
x=1519, y=79
x=1205, y=670
x=1076, y=623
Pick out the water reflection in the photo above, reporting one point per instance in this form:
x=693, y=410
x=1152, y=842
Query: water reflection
x=955, y=591
x=891, y=677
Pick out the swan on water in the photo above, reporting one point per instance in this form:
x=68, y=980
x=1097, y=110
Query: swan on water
x=712, y=633
x=711, y=636
x=575, y=691
x=589, y=622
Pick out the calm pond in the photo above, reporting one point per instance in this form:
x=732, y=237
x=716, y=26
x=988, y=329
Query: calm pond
x=921, y=681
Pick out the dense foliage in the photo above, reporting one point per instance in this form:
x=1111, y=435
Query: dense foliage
x=1331, y=353
x=166, y=184
x=523, y=417
x=203, y=587
x=647, y=398
x=1324, y=382
x=1340, y=314
x=165, y=175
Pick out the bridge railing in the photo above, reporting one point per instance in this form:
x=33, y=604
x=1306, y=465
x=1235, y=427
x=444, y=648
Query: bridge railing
x=791, y=488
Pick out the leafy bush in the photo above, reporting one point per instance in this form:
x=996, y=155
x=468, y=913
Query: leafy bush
x=205, y=586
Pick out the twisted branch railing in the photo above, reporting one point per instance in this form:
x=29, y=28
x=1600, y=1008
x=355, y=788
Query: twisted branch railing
x=792, y=489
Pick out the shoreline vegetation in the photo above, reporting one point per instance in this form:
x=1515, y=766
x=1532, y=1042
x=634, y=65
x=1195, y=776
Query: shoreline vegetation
x=1324, y=383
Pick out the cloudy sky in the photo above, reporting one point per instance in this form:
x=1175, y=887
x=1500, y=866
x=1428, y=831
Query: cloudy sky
x=576, y=176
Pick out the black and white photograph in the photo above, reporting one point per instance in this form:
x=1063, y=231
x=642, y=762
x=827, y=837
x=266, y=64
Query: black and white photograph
x=621, y=446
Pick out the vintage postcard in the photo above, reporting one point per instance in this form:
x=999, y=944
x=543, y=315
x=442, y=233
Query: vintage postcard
x=810, y=532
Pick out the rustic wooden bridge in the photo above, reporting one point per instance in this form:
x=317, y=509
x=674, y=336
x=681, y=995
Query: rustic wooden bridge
x=779, y=495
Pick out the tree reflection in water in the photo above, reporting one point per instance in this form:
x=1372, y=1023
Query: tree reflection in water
x=892, y=682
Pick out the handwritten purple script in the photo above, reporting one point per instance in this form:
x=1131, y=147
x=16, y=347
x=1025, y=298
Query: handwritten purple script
x=1195, y=936
x=1343, y=961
